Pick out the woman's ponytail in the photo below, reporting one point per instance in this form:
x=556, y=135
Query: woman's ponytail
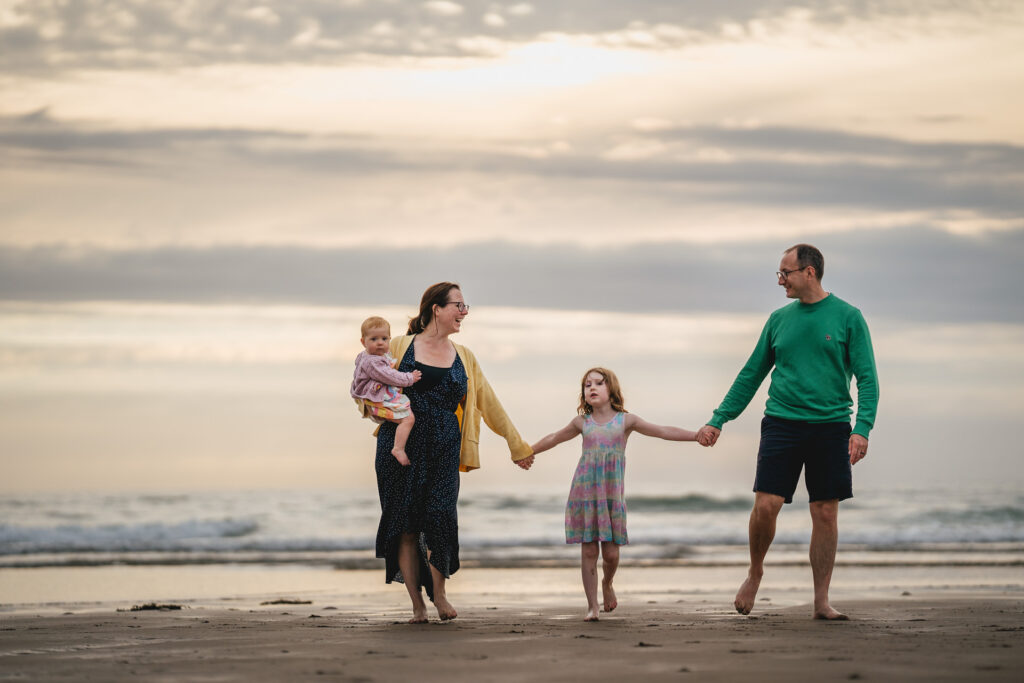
x=436, y=295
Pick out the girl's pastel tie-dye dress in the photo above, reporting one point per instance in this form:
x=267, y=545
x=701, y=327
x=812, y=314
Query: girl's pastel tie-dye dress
x=596, y=510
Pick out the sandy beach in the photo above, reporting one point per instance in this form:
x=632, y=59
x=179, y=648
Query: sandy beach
x=522, y=625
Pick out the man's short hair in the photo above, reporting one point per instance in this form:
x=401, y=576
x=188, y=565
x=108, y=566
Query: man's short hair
x=374, y=323
x=808, y=255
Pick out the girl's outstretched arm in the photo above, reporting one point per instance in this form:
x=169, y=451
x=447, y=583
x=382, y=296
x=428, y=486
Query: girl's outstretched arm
x=637, y=423
x=567, y=432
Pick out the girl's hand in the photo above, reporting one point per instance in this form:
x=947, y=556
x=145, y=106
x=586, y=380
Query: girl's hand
x=708, y=435
x=416, y=374
x=525, y=463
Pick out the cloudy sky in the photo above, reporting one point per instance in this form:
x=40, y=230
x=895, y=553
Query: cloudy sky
x=199, y=202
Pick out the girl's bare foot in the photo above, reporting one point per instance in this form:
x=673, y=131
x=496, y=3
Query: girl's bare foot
x=591, y=614
x=608, y=594
x=445, y=610
x=419, y=615
x=400, y=456
x=745, y=596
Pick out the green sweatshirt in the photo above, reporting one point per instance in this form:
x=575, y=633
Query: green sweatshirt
x=816, y=349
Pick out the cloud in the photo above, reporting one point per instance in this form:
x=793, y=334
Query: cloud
x=443, y=8
x=913, y=274
x=778, y=167
x=38, y=131
x=48, y=36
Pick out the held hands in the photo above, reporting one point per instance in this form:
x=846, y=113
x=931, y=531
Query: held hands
x=707, y=435
x=525, y=463
x=858, y=448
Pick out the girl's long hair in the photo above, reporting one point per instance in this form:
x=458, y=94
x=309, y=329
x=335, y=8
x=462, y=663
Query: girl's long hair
x=436, y=295
x=615, y=398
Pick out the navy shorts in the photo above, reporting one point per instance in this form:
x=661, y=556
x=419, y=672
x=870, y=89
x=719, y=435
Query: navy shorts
x=821, y=449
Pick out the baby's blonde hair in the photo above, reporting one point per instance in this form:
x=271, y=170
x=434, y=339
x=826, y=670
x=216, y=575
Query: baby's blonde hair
x=374, y=322
x=614, y=392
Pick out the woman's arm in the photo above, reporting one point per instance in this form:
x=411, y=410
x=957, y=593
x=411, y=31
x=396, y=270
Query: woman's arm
x=637, y=423
x=486, y=404
x=567, y=432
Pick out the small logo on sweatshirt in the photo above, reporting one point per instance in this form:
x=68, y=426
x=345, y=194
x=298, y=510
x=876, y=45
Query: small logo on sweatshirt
x=828, y=337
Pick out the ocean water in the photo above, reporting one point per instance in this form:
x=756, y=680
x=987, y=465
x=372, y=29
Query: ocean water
x=338, y=529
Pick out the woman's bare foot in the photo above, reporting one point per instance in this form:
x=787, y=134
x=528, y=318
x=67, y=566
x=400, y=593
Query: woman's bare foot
x=591, y=614
x=608, y=595
x=419, y=615
x=445, y=610
x=830, y=614
x=747, y=593
x=400, y=456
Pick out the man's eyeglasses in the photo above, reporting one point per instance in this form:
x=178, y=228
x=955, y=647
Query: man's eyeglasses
x=463, y=308
x=784, y=274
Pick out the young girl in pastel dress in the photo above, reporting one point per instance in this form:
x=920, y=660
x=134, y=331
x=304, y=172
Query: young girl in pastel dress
x=375, y=384
x=596, y=510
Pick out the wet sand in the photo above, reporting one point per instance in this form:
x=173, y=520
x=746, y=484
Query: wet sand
x=503, y=634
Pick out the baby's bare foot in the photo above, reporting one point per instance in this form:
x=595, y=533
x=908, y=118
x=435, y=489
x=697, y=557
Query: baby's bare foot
x=400, y=456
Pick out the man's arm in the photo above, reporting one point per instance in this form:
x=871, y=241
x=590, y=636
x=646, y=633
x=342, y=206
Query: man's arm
x=743, y=387
x=862, y=362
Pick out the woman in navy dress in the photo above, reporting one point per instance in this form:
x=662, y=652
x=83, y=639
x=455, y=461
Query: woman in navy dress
x=418, y=534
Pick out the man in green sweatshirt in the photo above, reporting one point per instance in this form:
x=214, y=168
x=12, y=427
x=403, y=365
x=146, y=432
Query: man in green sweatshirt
x=816, y=344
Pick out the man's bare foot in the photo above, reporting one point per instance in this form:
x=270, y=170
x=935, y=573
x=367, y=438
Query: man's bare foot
x=400, y=456
x=746, y=594
x=608, y=595
x=591, y=615
x=444, y=609
x=830, y=614
x=419, y=615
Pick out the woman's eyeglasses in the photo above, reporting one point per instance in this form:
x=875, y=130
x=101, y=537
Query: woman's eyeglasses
x=463, y=308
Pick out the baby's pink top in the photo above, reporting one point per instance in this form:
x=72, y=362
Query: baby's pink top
x=373, y=374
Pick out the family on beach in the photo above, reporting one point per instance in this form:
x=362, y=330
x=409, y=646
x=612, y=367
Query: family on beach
x=429, y=394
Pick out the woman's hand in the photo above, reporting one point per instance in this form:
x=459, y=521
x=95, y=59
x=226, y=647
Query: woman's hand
x=525, y=463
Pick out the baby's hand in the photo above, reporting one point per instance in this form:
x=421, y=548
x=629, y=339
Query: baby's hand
x=416, y=374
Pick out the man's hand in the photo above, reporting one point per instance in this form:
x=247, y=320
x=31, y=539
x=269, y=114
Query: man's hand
x=858, y=448
x=708, y=435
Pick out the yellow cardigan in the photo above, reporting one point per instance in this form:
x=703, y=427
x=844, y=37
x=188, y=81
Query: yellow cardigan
x=479, y=401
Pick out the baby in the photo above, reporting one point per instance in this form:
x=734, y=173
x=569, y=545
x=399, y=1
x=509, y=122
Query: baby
x=375, y=384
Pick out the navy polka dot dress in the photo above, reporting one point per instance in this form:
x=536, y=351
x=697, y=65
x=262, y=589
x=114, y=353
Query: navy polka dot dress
x=422, y=497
